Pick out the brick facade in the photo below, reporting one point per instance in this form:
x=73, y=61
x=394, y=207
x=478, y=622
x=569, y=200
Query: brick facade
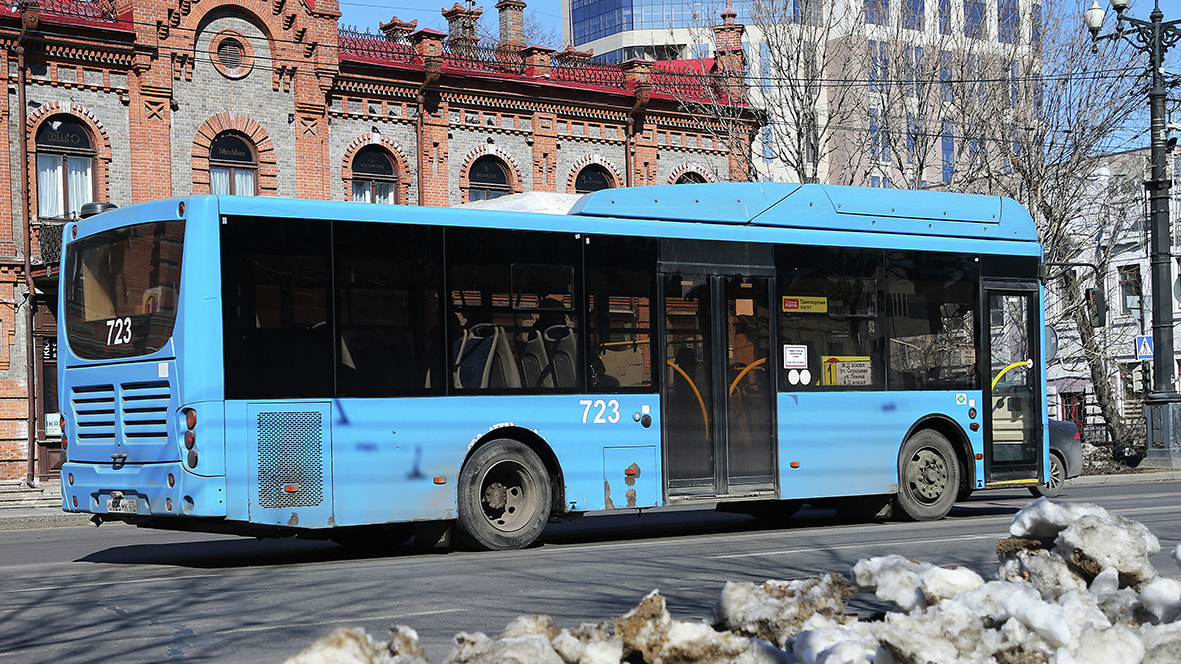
x=156, y=82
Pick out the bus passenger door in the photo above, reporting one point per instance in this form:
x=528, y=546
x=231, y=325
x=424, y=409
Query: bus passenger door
x=716, y=394
x=1013, y=438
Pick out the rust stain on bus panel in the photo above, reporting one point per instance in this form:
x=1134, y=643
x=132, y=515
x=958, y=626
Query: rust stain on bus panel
x=631, y=497
x=607, y=504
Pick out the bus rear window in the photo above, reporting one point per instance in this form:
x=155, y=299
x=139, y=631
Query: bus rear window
x=121, y=289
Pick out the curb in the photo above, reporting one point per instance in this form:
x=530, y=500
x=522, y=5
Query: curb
x=1127, y=478
x=29, y=518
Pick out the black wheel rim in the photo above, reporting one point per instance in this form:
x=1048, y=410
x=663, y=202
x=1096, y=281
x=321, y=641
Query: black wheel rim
x=508, y=496
x=927, y=475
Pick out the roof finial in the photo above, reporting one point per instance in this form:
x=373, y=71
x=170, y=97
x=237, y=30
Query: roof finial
x=728, y=14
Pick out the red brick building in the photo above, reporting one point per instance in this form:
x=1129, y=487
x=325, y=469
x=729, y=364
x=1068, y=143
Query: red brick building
x=132, y=100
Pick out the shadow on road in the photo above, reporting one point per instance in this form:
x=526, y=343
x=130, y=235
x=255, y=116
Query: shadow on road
x=226, y=552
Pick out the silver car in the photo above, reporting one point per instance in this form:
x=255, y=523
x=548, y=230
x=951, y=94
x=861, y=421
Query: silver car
x=1066, y=458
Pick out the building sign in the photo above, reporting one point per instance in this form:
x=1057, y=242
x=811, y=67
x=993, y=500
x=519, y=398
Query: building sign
x=372, y=161
x=231, y=148
x=62, y=133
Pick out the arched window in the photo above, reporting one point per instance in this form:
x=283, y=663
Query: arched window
x=690, y=177
x=593, y=178
x=65, y=167
x=375, y=179
x=233, y=166
x=487, y=179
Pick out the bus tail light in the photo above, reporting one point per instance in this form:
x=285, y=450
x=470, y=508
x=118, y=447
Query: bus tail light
x=191, y=436
x=65, y=436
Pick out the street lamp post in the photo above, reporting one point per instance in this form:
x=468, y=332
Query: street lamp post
x=1163, y=405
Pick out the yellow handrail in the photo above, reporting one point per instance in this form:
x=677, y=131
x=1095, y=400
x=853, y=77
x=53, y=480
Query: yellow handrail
x=742, y=373
x=1022, y=363
x=700, y=401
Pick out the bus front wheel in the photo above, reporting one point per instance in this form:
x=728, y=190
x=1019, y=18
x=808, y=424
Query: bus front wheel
x=928, y=477
x=504, y=496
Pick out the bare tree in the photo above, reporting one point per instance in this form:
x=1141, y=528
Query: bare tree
x=1036, y=110
x=806, y=82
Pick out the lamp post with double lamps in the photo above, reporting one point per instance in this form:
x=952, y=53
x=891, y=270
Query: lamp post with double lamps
x=1163, y=405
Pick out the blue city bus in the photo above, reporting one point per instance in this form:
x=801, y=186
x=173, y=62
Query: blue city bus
x=365, y=373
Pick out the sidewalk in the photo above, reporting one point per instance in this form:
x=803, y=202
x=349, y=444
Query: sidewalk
x=42, y=515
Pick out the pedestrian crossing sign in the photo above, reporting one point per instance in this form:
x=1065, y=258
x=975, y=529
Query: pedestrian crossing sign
x=1144, y=348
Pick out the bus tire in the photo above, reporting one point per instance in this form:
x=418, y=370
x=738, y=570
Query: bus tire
x=504, y=496
x=928, y=477
x=1054, y=480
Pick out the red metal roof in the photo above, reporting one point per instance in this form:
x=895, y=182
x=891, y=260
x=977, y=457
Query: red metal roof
x=670, y=78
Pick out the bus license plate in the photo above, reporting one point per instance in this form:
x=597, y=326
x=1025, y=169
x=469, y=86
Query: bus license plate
x=121, y=506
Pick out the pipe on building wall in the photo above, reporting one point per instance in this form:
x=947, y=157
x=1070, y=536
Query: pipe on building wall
x=29, y=19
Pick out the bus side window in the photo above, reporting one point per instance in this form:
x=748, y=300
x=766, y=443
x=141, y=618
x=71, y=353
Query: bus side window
x=277, y=303
x=512, y=310
x=619, y=298
x=388, y=283
x=829, y=319
x=931, y=304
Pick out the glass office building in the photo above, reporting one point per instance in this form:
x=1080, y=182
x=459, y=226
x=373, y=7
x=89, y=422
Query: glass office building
x=595, y=19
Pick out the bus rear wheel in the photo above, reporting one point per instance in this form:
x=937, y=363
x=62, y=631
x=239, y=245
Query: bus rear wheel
x=928, y=477
x=504, y=496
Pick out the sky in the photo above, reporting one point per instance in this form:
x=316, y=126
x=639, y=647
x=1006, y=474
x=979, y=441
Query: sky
x=372, y=13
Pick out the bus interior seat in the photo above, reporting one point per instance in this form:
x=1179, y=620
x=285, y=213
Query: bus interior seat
x=562, y=344
x=484, y=359
x=473, y=352
x=535, y=364
x=502, y=371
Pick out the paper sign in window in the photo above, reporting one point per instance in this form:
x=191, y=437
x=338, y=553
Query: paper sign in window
x=797, y=304
x=845, y=370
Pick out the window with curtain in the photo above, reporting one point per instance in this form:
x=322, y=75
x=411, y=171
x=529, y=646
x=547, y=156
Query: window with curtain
x=65, y=167
x=233, y=166
x=375, y=179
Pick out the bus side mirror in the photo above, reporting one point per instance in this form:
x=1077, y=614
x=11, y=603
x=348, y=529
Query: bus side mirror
x=1096, y=307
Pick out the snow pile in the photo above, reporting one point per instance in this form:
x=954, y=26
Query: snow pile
x=1074, y=586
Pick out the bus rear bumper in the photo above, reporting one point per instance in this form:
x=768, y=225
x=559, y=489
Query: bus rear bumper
x=141, y=490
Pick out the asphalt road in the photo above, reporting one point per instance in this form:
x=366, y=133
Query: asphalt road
x=120, y=594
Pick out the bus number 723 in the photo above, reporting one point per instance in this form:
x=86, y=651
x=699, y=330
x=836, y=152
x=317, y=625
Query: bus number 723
x=605, y=407
x=118, y=331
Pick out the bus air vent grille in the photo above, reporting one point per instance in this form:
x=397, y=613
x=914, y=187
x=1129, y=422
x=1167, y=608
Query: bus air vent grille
x=290, y=453
x=145, y=411
x=94, y=412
